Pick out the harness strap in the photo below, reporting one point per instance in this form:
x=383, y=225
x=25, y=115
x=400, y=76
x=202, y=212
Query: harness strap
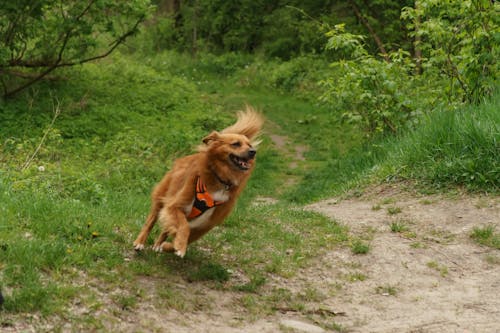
x=203, y=201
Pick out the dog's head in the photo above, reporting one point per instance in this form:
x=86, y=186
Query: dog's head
x=235, y=150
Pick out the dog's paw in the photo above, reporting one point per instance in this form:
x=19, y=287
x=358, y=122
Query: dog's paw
x=138, y=247
x=157, y=248
x=180, y=253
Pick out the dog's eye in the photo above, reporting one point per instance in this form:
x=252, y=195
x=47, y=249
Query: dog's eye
x=236, y=144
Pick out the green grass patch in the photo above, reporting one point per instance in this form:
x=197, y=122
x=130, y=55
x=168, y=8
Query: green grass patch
x=486, y=236
x=458, y=148
x=443, y=270
x=398, y=227
x=360, y=247
x=393, y=210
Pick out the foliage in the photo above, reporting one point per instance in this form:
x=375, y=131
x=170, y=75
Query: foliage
x=460, y=40
x=447, y=149
x=299, y=75
x=377, y=95
x=36, y=37
x=383, y=17
x=277, y=29
x=284, y=29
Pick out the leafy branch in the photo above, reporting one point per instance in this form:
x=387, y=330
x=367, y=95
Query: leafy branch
x=69, y=43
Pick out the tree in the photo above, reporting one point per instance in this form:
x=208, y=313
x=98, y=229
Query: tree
x=459, y=39
x=39, y=36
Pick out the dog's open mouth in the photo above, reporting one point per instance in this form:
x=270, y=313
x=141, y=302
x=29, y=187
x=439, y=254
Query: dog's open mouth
x=239, y=162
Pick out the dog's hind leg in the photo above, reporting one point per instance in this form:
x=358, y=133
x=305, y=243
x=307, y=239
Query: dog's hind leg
x=148, y=226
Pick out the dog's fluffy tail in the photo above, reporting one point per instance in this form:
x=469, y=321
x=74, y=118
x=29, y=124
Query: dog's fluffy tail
x=249, y=123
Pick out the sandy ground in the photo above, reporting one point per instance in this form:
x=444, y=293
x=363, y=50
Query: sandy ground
x=429, y=278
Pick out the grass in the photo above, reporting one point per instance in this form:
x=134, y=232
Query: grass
x=445, y=151
x=443, y=270
x=451, y=149
x=486, y=236
x=355, y=277
x=393, y=210
x=398, y=227
x=69, y=218
x=386, y=290
x=360, y=247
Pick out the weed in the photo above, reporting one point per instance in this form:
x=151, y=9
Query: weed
x=388, y=201
x=251, y=304
x=376, y=207
x=443, y=270
x=312, y=294
x=386, y=290
x=253, y=285
x=393, y=210
x=441, y=236
x=172, y=298
x=481, y=203
x=398, y=227
x=360, y=247
x=356, y=276
x=486, y=236
x=417, y=245
x=125, y=302
x=336, y=327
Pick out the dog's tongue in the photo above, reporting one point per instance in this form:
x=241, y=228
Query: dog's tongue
x=243, y=164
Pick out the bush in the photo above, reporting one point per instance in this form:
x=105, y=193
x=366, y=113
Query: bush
x=459, y=40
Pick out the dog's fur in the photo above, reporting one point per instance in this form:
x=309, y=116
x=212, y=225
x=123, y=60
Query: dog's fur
x=223, y=163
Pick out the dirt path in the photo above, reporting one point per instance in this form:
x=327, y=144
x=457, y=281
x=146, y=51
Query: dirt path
x=429, y=277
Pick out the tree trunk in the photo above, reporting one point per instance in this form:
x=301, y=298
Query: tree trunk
x=372, y=32
x=169, y=6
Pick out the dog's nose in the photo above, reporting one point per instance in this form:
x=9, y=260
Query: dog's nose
x=251, y=152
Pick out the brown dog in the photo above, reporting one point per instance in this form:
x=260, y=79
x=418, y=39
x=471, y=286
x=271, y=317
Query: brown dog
x=201, y=189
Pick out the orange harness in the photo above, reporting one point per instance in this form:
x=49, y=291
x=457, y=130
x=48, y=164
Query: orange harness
x=203, y=201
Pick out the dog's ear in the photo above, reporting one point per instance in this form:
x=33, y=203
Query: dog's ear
x=211, y=137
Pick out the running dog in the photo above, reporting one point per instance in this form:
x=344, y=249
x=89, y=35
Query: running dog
x=201, y=190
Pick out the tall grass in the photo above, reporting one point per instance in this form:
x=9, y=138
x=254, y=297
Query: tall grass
x=447, y=149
